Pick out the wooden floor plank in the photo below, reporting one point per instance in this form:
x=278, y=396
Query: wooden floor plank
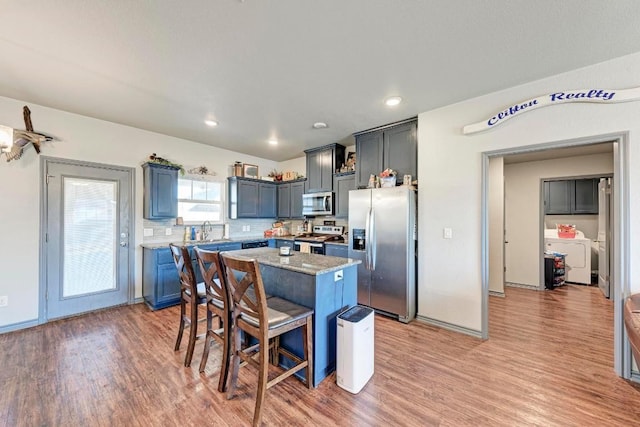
x=549, y=361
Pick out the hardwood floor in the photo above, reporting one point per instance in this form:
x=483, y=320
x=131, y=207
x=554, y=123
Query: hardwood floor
x=549, y=361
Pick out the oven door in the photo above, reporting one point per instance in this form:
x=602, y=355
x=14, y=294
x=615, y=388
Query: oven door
x=314, y=247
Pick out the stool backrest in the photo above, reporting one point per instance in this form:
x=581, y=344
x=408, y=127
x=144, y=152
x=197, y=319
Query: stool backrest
x=187, y=275
x=214, y=280
x=246, y=289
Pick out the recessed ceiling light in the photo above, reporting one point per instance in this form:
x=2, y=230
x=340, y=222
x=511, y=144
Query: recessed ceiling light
x=273, y=142
x=320, y=125
x=393, y=101
x=211, y=123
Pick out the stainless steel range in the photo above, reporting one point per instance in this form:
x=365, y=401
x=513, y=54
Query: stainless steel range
x=315, y=241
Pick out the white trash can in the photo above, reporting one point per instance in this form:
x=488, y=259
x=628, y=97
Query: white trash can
x=355, y=348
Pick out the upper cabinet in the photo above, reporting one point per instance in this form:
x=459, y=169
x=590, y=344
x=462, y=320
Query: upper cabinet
x=393, y=146
x=290, y=199
x=342, y=184
x=251, y=198
x=322, y=162
x=571, y=196
x=160, y=191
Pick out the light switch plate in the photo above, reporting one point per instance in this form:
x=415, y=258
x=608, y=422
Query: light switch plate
x=148, y=232
x=4, y=301
x=168, y=231
x=447, y=233
x=338, y=275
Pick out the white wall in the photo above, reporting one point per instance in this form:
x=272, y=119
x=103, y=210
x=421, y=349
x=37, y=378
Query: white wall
x=80, y=138
x=450, y=167
x=522, y=206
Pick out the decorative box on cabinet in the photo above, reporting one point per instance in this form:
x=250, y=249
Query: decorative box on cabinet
x=342, y=184
x=393, y=146
x=160, y=191
x=322, y=162
x=251, y=198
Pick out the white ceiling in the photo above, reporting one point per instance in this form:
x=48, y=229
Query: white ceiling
x=271, y=68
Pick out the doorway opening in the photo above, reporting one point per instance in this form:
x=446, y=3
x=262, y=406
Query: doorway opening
x=619, y=258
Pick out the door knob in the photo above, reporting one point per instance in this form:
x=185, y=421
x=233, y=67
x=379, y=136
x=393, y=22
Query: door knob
x=123, y=244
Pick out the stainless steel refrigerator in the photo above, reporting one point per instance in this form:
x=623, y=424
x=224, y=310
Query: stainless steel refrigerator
x=382, y=234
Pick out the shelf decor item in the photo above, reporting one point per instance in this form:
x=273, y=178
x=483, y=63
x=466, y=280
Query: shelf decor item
x=153, y=158
x=388, y=178
x=250, y=171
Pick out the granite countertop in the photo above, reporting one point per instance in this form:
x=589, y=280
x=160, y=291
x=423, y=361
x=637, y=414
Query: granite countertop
x=311, y=264
x=162, y=245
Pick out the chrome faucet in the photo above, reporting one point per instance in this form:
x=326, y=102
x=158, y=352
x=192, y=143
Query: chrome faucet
x=206, y=228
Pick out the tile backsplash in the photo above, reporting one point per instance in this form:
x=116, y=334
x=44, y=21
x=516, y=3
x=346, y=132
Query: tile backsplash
x=155, y=231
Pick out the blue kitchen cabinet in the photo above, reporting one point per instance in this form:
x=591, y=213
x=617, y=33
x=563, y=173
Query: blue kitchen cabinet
x=252, y=198
x=393, y=146
x=160, y=191
x=335, y=249
x=322, y=163
x=290, y=199
x=342, y=184
x=160, y=281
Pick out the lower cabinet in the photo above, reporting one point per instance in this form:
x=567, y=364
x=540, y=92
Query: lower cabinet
x=333, y=249
x=160, y=281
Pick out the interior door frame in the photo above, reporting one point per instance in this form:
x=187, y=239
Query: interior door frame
x=45, y=161
x=620, y=235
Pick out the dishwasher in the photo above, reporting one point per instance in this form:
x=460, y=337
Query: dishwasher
x=255, y=244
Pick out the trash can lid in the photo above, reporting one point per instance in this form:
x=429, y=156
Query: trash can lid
x=355, y=314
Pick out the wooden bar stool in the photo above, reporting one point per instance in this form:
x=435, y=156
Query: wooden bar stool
x=263, y=319
x=192, y=294
x=217, y=307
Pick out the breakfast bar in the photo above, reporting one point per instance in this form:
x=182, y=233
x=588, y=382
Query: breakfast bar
x=325, y=283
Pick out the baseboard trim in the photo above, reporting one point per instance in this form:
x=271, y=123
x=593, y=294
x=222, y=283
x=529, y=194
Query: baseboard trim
x=137, y=300
x=522, y=285
x=20, y=325
x=496, y=294
x=449, y=326
x=635, y=377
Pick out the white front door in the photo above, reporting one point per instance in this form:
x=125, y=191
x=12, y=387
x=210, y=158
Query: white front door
x=87, y=226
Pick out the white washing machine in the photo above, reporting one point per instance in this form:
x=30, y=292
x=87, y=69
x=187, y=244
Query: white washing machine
x=578, y=255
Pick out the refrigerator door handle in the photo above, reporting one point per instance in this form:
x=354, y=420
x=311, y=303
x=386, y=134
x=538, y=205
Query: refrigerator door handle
x=373, y=240
x=367, y=234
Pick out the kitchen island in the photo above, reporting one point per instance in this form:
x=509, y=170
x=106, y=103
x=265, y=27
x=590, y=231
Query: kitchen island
x=327, y=284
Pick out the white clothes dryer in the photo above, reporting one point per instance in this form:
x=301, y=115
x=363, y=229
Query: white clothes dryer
x=578, y=255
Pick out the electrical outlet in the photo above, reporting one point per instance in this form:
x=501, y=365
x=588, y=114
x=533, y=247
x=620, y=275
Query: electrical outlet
x=148, y=232
x=447, y=233
x=4, y=301
x=248, y=228
x=168, y=231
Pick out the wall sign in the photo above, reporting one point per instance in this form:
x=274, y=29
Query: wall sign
x=606, y=96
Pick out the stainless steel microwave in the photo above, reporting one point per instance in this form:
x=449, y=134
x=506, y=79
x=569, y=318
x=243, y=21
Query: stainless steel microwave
x=316, y=204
